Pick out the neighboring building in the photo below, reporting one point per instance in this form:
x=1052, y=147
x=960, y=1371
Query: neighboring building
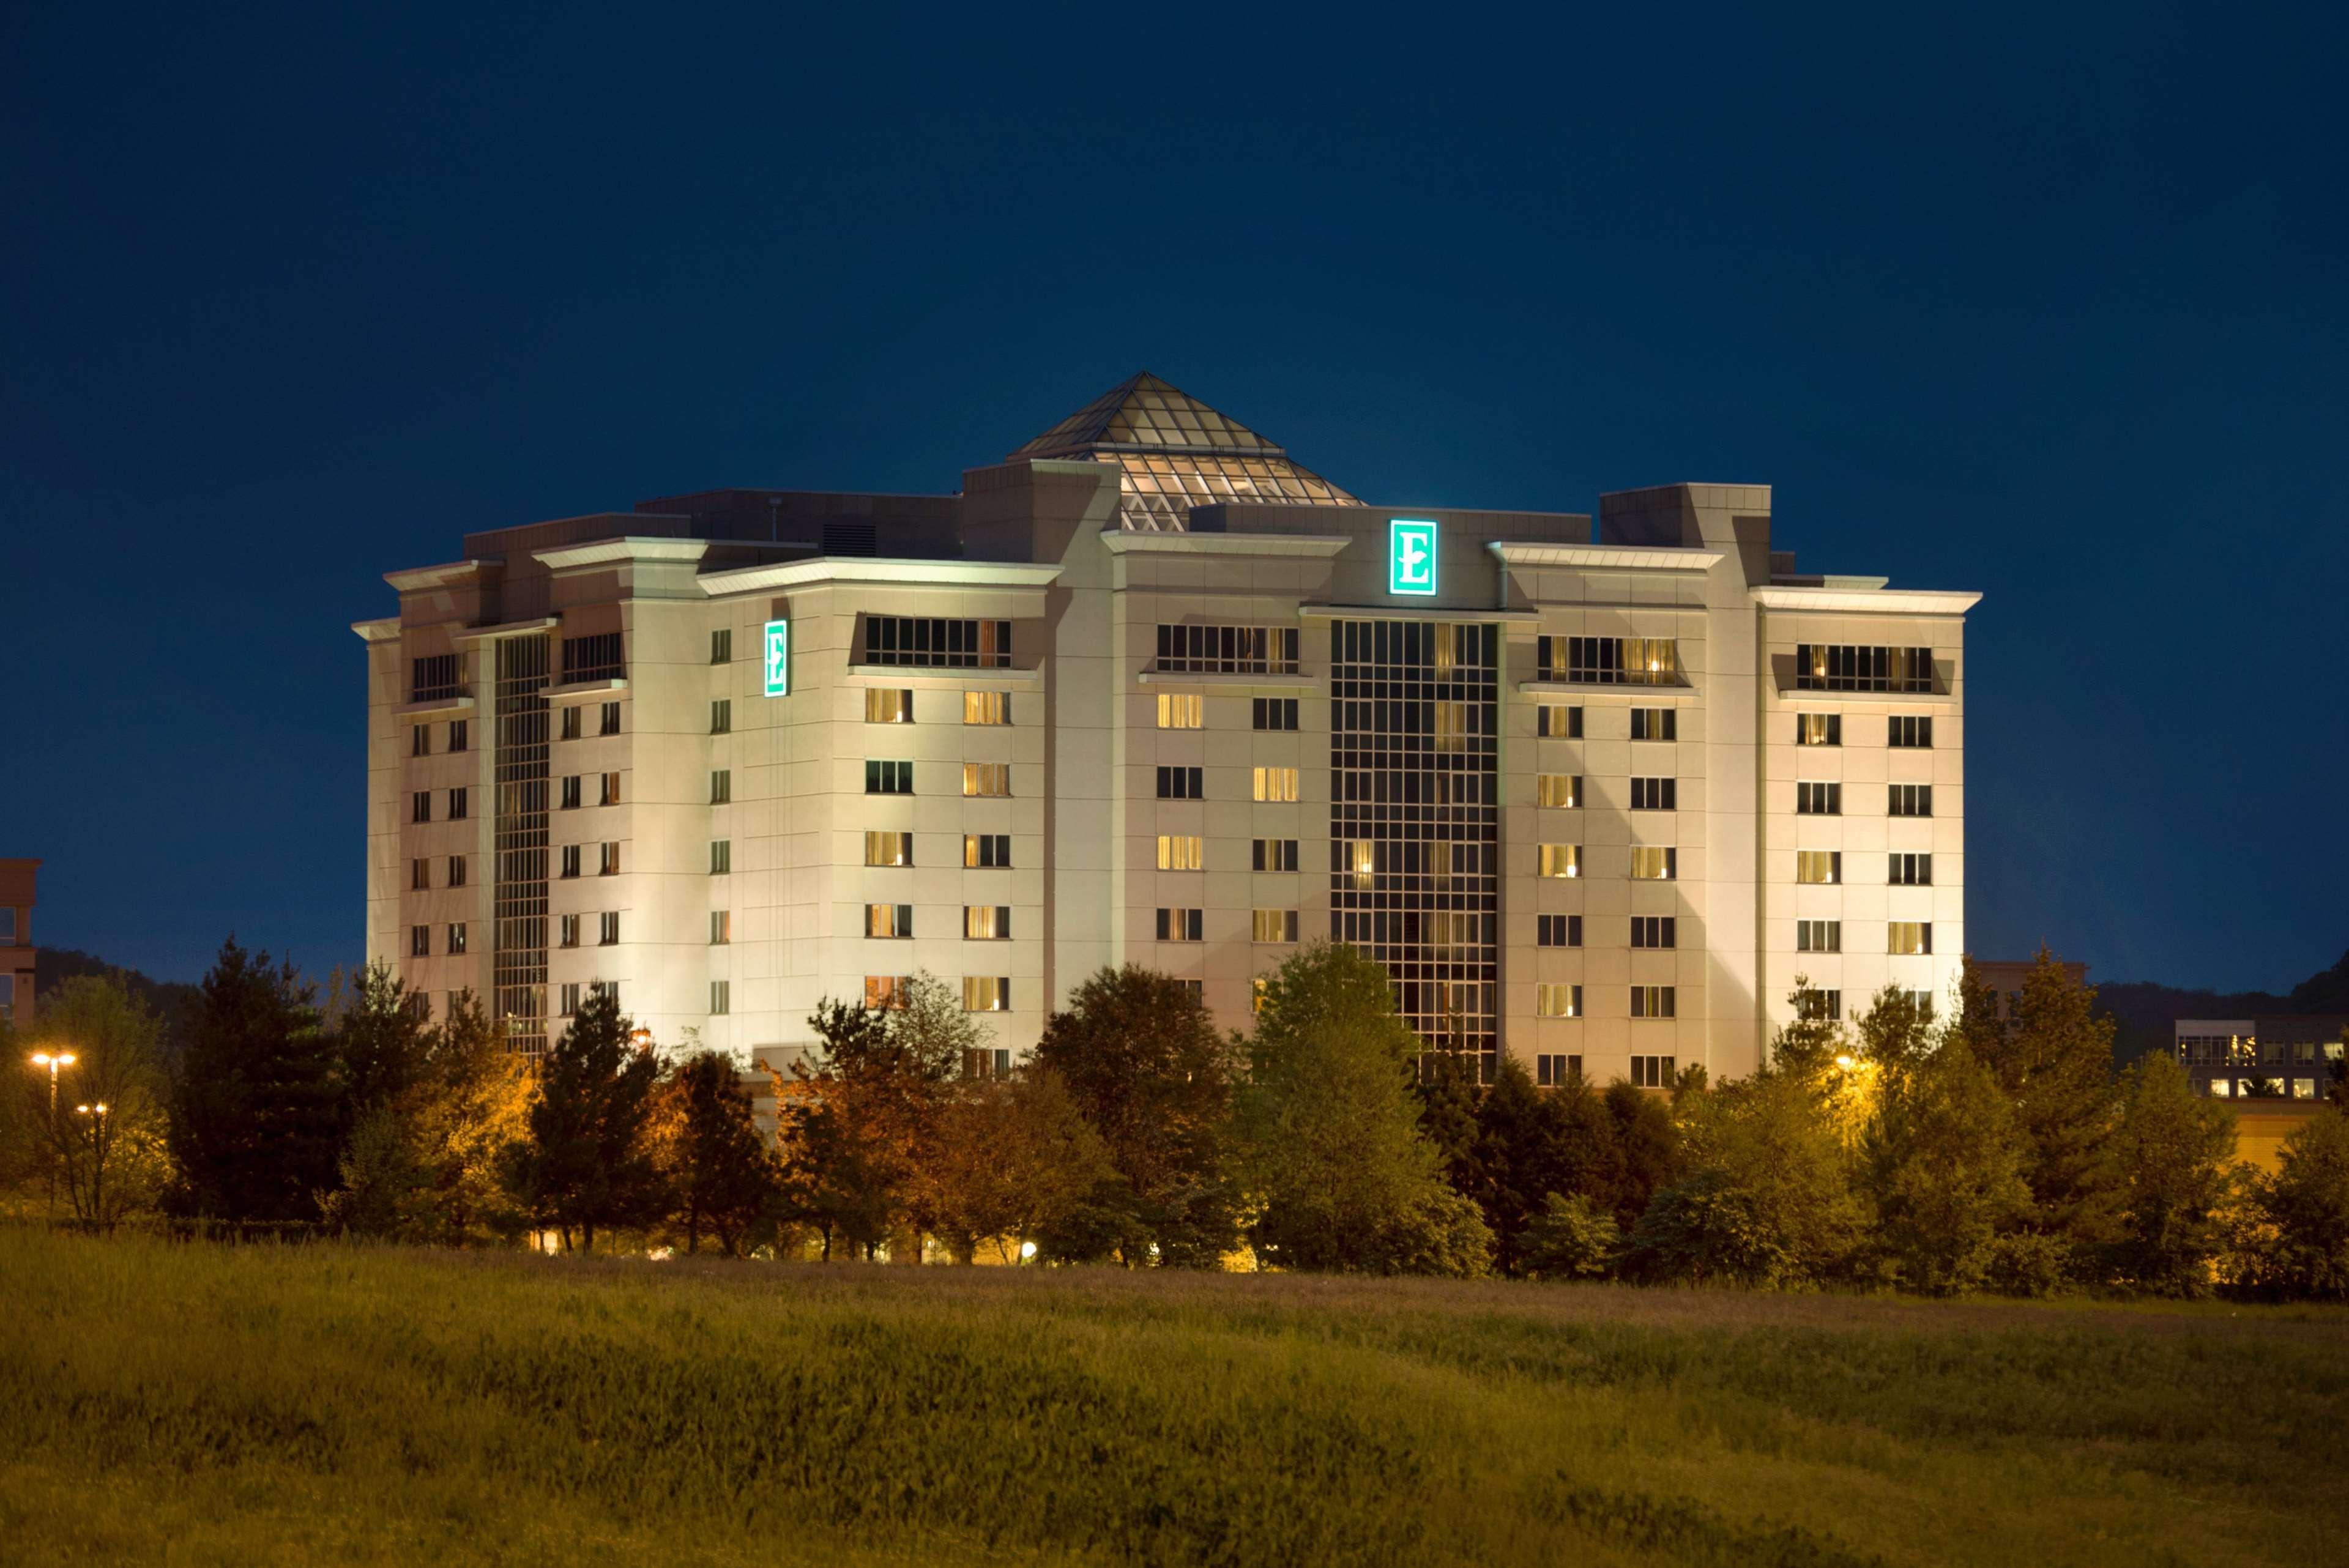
x=1149, y=692
x=2279, y=1056
x=17, y=901
x=2004, y=976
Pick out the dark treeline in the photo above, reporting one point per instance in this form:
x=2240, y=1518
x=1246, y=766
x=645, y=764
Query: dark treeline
x=1939, y=1155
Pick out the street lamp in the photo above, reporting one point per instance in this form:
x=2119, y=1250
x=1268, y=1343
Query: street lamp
x=53, y=1062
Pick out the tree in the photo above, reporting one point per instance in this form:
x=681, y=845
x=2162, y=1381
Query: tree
x=1342, y=1176
x=1649, y=1155
x=381, y=1036
x=1570, y=1238
x=583, y=1161
x=472, y=1105
x=1142, y=1060
x=257, y=1114
x=2298, y=1244
x=1018, y=1164
x=2054, y=1060
x=1534, y=1144
x=1448, y=1101
x=2174, y=1155
x=715, y=1162
x=105, y=1141
x=1942, y=1162
x=833, y=1177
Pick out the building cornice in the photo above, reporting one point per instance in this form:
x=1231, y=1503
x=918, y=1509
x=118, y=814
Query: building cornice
x=898, y=572
x=1320, y=545
x=1412, y=612
x=410, y=579
x=1875, y=602
x=385, y=630
x=610, y=551
x=509, y=629
x=1603, y=557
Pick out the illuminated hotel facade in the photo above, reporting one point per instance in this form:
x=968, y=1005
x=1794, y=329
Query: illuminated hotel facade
x=1150, y=692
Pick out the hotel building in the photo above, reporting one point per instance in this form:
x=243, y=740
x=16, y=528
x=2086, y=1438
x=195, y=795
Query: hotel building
x=1147, y=691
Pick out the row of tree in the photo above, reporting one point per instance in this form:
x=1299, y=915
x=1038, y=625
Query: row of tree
x=1935, y=1154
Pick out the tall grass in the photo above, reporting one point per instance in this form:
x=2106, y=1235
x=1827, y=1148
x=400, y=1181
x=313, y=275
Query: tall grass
x=257, y=1405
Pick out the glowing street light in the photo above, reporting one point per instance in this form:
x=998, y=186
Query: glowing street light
x=53, y=1062
x=1846, y=1063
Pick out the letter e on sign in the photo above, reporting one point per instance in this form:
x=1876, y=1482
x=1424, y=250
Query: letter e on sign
x=779, y=658
x=1411, y=556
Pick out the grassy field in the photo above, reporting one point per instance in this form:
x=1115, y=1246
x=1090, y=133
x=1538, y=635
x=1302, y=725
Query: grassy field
x=213, y=1406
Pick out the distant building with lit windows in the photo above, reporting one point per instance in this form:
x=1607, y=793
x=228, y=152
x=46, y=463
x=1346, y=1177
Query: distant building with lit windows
x=2281, y=1055
x=18, y=895
x=1147, y=691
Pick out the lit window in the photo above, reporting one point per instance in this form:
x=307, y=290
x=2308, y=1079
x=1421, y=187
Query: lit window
x=1181, y=853
x=986, y=778
x=1558, y=722
x=1651, y=1001
x=1361, y=857
x=886, y=706
x=1558, y=1001
x=888, y=849
x=1274, y=783
x=1818, y=936
x=888, y=920
x=1822, y=667
x=457, y=937
x=1181, y=925
x=1561, y=859
x=1454, y=722
x=1277, y=925
x=886, y=991
x=1910, y=936
x=1557, y=930
x=1818, y=730
x=1560, y=789
x=1651, y=862
x=1819, y=865
x=986, y=994
x=1655, y=723
x=985, y=707
x=987, y=922
x=1181, y=710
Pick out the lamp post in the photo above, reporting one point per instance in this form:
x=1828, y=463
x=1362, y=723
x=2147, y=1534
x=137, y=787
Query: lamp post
x=55, y=1061
x=97, y=1148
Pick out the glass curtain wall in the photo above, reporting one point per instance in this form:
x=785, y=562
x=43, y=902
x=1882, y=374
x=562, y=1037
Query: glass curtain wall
x=519, y=963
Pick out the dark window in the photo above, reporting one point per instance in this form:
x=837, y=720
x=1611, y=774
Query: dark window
x=456, y=939
x=571, y=723
x=419, y=741
x=1653, y=1001
x=1276, y=855
x=1911, y=800
x=888, y=778
x=1826, y=1005
x=461, y=735
x=419, y=942
x=1818, y=936
x=1557, y=930
x=1559, y=722
x=595, y=658
x=984, y=850
x=1912, y=730
x=420, y=805
x=1654, y=794
x=1276, y=712
x=457, y=803
x=1557, y=1071
x=1818, y=800
x=1181, y=784
x=419, y=875
x=1655, y=723
x=1228, y=650
x=722, y=787
x=611, y=725
x=571, y=860
x=433, y=679
x=1911, y=871
x=721, y=717
x=940, y=644
x=1651, y=1072
x=1654, y=931
x=1821, y=666
x=1180, y=925
x=571, y=792
x=456, y=871
x=721, y=645
x=608, y=928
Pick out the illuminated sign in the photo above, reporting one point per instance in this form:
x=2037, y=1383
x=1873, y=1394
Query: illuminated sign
x=1411, y=556
x=779, y=658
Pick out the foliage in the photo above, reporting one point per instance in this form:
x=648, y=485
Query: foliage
x=470, y=1106
x=380, y=1037
x=2173, y=1152
x=713, y=1158
x=1449, y=1098
x=1341, y=1174
x=1534, y=1144
x=584, y=1162
x=257, y=1119
x=1648, y=1144
x=2054, y=1060
x=1940, y=1162
x=2297, y=1241
x=1018, y=1163
x=1570, y=1238
x=104, y=1143
x=1144, y=1063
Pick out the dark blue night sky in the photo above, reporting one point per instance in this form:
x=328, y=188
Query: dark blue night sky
x=2047, y=302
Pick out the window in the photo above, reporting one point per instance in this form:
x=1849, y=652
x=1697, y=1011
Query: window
x=432, y=679
x=1655, y=723
x=1279, y=925
x=883, y=706
x=721, y=997
x=891, y=919
x=987, y=708
x=1228, y=650
x=721, y=645
x=1818, y=800
x=1819, y=865
x=571, y=723
x=610, y=725
x=1557, y=721
x=1555, y=1072
x=722, y=927
x=1557, y=930
x=1552, y=1001
x=419, y=942
x=567, y=928
x=1651, y=1001
x=888, y=778
x=609, y=793
x=456, y=871
x=1818, y=730
x=607, y=928
x=1654, y=863
x=721, y=715
x=889, y=848
x=1654, y=794
x=607, y=860
x=570, y=1002
x=1561, y=790
x=1655, y=931
x=986, y=850
x=916, y=640
x=1454, y=723
x=1276, y=712
x=419, y=741
x=1561, y=859
x=721, y=857
x=1652, y=1072
x=1180, y=784
x=1274, y=783
x=593, y=658
x=1181, y=925
x=461, y=735
x=1819, y=1005
x=722, y=787
x=886, y=991
x=1910, y=936
x=987, y=922
x=1275, y=854
x=1609, y=661
x=456, y=938
x=1818, y=936
x=420, y=805
x=457, y=804
x=986, y=993
x=1913, y=731
x=570, y=797
x=1821, y=667
x=1181, y=710
x=1910, y=801
x=986, y=778
x=420, y=880
x=1181, y=853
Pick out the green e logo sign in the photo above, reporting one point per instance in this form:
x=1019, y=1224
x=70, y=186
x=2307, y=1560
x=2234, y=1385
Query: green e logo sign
x=1411, y=556
x=779, y=658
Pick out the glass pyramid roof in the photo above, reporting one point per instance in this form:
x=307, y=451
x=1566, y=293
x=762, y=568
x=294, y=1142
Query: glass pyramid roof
x=1175, y=453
